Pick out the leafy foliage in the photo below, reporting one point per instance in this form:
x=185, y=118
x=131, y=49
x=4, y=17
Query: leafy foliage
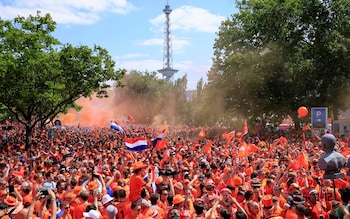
x=148, y=97
x=274, y=56
x=40, y=77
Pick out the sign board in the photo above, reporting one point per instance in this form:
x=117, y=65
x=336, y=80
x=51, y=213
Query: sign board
x=319, y=117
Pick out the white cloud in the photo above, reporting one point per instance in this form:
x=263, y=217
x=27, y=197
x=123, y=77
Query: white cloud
x=65, y=11
x=189, y=18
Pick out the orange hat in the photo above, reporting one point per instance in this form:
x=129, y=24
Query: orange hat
x=91, y=185
x=267, y=201
x=159, y=180
x=77, y=190
x=294, y=185
x=69, y=197
x=138, y=165
x=27, y=200
x=10, y=201
x=178, y=199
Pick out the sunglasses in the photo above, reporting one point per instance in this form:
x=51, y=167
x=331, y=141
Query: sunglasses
x=209, y=188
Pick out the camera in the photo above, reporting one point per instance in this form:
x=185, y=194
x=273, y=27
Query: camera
x=167, y=172
x=43, y=191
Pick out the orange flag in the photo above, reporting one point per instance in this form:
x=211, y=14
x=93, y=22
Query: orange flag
x=252, y=148
x=300, y=162
x=229, y=136
x=243, y=149
x=160, y=144
x=130, y=118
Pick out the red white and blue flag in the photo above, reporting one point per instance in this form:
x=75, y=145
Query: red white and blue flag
x=117, y=127
x=136, y=144
x=157, y=139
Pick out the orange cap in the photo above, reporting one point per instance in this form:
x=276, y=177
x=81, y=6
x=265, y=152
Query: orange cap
x=91, y=185
x=178, y=199
x=138, y=165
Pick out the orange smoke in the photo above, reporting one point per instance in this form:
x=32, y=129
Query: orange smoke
x=95, y=112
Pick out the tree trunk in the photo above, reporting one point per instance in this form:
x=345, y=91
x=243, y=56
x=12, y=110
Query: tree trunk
x=28, y=135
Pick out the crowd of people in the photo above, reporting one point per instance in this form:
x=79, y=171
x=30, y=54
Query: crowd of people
x=88, y=173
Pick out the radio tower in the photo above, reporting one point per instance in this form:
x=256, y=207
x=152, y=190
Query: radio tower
x=167, y=71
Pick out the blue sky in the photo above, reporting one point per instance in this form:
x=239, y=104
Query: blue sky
x=133, y=30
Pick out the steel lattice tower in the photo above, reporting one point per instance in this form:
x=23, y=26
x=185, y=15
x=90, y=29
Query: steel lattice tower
x=167, y=71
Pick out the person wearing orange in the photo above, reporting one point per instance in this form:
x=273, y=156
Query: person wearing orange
x=27, y=201
x=178, y=207
x=253, y=210
x=268, y=188
x=109, y=211
x=135, y=211
x=136, y=181
x=277, y=191
x=80, y=208
x=65, y=207
x=278, y=210
x=155, y=211
x=123, y=204
x=269, y=210
x=314, y=208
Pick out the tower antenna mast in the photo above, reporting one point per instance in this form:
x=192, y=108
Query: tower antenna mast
x=167, y=71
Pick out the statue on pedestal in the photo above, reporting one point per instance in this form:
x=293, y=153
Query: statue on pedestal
x=332, y=161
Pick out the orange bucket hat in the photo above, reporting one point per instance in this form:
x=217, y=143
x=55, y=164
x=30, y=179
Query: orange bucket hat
x=178, y=199
x=138, y=165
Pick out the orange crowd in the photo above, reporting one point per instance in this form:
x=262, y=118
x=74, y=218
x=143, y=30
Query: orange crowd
x=85, y=172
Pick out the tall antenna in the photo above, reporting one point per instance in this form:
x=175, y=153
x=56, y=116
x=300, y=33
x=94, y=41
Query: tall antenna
x=167, y=71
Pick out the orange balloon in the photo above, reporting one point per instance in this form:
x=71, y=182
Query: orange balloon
x=302, y=111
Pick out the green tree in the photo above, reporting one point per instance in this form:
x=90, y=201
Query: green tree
x=146, y=97
x=274, y=56
x=41, y=78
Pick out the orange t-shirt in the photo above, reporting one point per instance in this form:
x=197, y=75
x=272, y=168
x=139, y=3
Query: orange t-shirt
x=136, y=185
x=79, y=210
x=290, y=214
x=139, y=216
x=124, y=208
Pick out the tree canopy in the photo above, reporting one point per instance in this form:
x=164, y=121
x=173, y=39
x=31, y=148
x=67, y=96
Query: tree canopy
x=274, y=56
x=146, y=97
x=41, y=77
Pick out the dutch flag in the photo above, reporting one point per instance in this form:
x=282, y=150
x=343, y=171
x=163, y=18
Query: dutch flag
x=136, y=144
x=116, y=127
